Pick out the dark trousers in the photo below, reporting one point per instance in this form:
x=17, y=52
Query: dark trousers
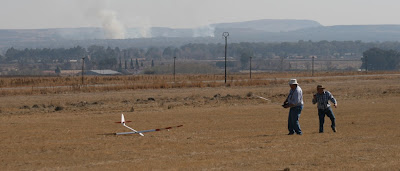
x=293, y=120
x=328, y=112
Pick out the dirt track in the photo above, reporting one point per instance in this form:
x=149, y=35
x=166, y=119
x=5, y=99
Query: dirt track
x=229, y=132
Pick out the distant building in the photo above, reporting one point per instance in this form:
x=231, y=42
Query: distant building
x=102, y=72
x=349, y=54
x=79, y=72
x=70, y=72
x=49, y=72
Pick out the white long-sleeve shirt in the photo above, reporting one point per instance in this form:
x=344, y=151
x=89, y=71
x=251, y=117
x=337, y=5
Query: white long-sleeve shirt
x=296, y=96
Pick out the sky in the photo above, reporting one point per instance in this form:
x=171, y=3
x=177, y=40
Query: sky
x=34, y=14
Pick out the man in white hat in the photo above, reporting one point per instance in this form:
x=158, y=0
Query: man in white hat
x=324, y=108
x=294, y=101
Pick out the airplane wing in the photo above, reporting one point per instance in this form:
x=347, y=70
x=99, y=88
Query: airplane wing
x=123, y=121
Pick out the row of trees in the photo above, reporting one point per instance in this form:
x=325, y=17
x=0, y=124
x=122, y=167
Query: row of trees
x=379, y=59
x=101, y=57
x=203, y=51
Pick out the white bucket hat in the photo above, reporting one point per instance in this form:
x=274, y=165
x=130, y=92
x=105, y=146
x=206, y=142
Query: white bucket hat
x=293, y=81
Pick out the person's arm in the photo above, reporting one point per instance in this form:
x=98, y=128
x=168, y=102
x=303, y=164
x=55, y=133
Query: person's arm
x=286, y=102
x=314, y=100
x=332, y=99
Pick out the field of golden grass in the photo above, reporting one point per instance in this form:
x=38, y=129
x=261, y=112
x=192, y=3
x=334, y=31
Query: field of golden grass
x=74, y=84
x=223, y=128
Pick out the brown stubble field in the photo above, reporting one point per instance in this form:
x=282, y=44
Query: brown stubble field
x=224, y=129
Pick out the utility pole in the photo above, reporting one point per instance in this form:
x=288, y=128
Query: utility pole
x=120, y=64
x=225, y=35
x=366, y=64
x=250, y=67
x=174, y=67
x=312, y=65
x=83, y=67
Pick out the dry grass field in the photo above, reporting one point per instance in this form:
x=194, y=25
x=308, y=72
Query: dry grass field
x=223, y=128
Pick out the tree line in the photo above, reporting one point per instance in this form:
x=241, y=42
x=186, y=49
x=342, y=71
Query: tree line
x=100, y=57
x=380, y=59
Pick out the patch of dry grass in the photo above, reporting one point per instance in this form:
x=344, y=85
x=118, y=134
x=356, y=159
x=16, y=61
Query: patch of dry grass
x=225, y=128
x=61, y=85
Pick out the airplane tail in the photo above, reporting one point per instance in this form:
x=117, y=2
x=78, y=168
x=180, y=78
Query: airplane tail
x=123, y=123
x=123, y=120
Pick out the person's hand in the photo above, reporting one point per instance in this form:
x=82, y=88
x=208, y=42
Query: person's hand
x=286, y=106
x=314, y=96
x=335, y=105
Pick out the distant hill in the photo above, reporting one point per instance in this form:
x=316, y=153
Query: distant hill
x=367, y=33
x=249, y=31
x=270, y=25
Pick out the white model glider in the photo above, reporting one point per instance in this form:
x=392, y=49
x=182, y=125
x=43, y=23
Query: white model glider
x=262, y=97
x=139, y=132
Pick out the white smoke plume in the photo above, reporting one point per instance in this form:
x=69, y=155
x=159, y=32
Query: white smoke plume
x=142, y=29
x=145, y=30
x=205, y=31
x=113, y=28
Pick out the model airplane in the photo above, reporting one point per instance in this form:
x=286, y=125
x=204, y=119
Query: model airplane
x=262, y=97
x=138, y=132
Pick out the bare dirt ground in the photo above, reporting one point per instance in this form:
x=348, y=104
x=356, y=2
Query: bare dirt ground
x=224, y=129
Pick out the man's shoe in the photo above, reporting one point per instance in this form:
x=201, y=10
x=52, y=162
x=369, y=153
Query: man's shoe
x=291, y=133
x=321, y=131
x=334, y=129
x=299, y=133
